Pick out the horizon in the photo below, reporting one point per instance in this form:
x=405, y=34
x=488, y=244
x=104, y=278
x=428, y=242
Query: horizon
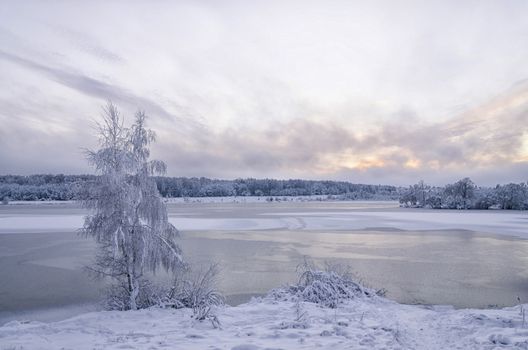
x=285, y=179
x=370, y=93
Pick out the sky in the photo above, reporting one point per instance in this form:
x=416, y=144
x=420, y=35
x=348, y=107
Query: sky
x=382, y=92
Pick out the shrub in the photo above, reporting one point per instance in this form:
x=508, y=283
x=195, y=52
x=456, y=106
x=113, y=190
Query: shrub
x=327, y=287
x=117, y=295
x=197, y=291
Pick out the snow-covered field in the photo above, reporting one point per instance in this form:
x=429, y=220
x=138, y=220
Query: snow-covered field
x=178, y=200
x=246, y=199
x=266, y=324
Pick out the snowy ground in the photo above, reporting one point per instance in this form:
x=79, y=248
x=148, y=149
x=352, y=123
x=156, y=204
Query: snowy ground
x=246, y=199
x=358, y=324
x=228, y=199
x=40, y=203
x=384, y=215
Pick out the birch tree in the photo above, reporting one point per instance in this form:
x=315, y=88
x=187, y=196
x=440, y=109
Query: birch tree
x=128, y=218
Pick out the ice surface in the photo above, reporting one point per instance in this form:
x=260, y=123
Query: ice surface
x=511, y=223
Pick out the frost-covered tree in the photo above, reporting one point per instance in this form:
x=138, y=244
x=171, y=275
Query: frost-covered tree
x=129, y=219
x=512, y=196
x=460, y=195
x=416, y=195
x=408, y=197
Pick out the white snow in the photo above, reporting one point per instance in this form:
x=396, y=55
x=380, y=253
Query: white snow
x=47, y=202
x=246, y=199
x=266, y=324
x=514, y=223
x=511, y=223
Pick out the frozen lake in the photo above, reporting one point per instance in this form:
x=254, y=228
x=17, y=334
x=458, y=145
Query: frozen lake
x=464, y=258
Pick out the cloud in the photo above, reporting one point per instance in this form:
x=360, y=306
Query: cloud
x=480, y=138
x=476, y=142
x=87, y=44
x=381, y=92
x=105, y=91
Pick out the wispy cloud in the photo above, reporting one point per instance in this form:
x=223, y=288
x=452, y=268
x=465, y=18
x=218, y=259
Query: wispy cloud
x=383, y=92
x=96, y=88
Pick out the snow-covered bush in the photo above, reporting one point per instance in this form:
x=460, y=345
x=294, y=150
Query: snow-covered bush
x=408, y=198
x=117, y=295
x=193, y=289
x=485, y=201
x=328, y=287
x=5, y=200
x=196, y=290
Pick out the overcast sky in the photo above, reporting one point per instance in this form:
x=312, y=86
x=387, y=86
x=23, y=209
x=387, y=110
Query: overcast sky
x=365, y=91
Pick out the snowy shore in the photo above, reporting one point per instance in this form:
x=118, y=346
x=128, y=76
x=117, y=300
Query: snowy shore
x=362, y=323
x=206, y=200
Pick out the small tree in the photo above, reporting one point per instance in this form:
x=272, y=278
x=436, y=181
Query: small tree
x=129, y=220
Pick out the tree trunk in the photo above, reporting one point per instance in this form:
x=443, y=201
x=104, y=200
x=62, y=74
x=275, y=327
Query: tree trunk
x=132, y=302
x=133, y=295
x=133, y=287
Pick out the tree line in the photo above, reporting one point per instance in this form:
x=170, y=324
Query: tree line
x=70, y=187
x=464, y=194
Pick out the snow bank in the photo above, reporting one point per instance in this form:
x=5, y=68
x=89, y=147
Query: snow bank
x=50, y=202
x=247, y=199
x=366, y=323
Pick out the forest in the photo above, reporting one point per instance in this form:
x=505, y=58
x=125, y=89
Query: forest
x=71, y=187
x=462, y=194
